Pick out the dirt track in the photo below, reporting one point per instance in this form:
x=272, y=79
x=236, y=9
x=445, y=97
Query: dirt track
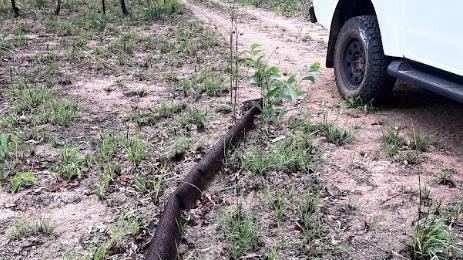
x=282, y=40
x=386, y=188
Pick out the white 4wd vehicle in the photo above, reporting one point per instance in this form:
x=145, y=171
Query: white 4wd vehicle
x=373, y=42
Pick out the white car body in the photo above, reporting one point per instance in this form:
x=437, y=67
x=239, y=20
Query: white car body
x=425, y=31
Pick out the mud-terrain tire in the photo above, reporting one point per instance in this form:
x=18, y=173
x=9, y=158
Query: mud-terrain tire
x=360, y=66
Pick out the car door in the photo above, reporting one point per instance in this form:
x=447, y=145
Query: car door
x=432, y=33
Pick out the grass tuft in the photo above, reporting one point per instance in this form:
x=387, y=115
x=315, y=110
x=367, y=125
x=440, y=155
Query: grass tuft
x=195, y=117
x=160, y=9
x=135, y=149
x=445, y=176
x=28, y=228
x=70, y=164
x=419, y=142
x=356, y=103
x=22, y=178
x=295, y=153
x=391, y=142
x=432, y=240
x=240, y=232
x=287, y=7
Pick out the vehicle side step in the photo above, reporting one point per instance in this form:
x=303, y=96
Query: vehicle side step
x=404, y=70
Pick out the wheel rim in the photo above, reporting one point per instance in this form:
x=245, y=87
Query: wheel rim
x=353, y=64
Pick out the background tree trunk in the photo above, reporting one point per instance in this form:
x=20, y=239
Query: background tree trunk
x=57, y=6
x=15, y=9
x=124, y=8
x=103, y=6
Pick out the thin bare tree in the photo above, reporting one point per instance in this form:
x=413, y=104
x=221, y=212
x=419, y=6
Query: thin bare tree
x=234, y=58
x=124, y=7
x=57, y=6
x=15, y=8
x=103, y=6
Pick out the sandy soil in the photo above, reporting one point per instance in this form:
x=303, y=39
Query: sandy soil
x=107, y=97
x=359, y=187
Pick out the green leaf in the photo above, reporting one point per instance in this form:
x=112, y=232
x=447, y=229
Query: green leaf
x=309, y=78
x=301, y=93
x=14, y=139
x=292, y=79
x=274, y=70
x=255, y=46
x=253, y=80
x=275, y=76
x=248, y=61
x=273, y=91
x=22, y=178
x=286, y=97
x=315, y=67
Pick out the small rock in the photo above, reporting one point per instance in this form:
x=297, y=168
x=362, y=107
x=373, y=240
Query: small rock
x=10, y=205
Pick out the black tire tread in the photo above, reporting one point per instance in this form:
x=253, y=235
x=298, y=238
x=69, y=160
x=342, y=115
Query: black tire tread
x=377, y=83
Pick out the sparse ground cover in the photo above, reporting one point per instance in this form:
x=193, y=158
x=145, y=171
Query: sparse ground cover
x=101, y=116
x=286, y=7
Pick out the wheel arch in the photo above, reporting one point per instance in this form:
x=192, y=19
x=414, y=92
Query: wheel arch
x=345, y=10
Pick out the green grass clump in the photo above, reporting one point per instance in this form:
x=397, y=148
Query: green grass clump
x=391, y=142
x=63, y=28
x=160, y=9
x=126, y=43
x=419, y=142
x=278, y=207
x=71, y=163
x=287, y=7
x=295, y=153
x=39, y=105
x=195, y=117
x=338, y=136
x=209, y=82
x=309, y=221
x=27, y=228
x=330, y=130
x=240, y=232
x=206, y=81
x=224, y=109
x=28, y=99
x=119, y=232
x=212, y=86
x=105, y=157
x=22, y=178
x=356, y=103
x=8, y=144
x=445, y=176
x=432, y=240
x=181, y=146
x=166, y=109
x=61, y=112
x=257, y=161
x=107, y=147
x=135, y=149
